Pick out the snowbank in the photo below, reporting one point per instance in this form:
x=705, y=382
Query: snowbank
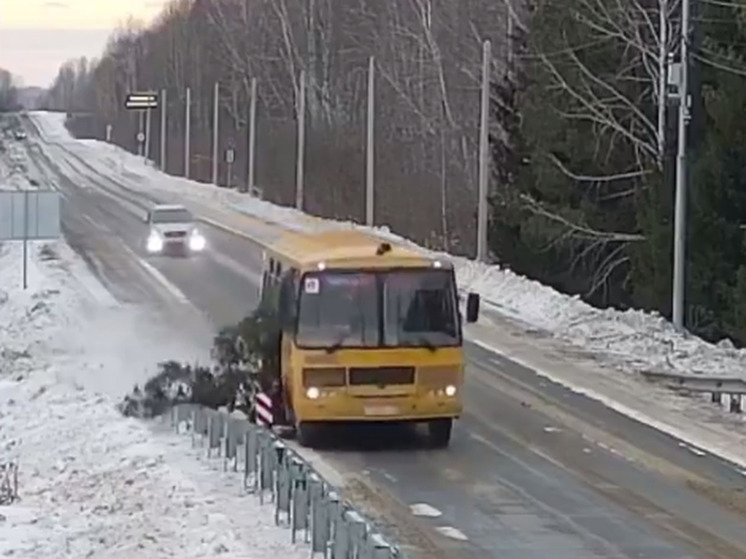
x=633, y=340
x=92, y=483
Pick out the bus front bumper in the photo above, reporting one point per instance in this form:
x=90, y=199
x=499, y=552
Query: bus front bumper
x=340, y=407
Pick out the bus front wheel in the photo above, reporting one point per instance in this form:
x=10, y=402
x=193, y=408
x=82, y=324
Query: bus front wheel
x=307, y=434
x=439, y=431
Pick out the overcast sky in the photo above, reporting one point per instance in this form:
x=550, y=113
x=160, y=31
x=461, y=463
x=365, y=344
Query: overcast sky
x=36, y=36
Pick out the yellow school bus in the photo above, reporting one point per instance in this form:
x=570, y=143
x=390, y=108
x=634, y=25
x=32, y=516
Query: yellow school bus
x=370, y=331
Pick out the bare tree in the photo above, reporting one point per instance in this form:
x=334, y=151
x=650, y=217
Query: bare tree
x=428, y=55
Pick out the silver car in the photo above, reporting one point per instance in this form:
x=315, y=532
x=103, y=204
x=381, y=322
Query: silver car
x=172, y=228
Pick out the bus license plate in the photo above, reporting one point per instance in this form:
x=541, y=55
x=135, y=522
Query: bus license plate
x=381, y=410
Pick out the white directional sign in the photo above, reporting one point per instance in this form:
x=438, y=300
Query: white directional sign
x=230, y=155
x=30, y=215
x=141, y=101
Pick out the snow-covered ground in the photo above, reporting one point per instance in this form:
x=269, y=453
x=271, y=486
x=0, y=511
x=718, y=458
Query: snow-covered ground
x=633, y=340
x=91, y=482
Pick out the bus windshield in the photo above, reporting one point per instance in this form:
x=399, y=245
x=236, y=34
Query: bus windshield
x=402, y=308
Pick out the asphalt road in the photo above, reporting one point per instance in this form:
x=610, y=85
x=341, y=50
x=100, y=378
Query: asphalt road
x=522, y=479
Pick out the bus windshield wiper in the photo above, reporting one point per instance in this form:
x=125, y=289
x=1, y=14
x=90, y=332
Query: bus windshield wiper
x=338, y=344
x=425, y=342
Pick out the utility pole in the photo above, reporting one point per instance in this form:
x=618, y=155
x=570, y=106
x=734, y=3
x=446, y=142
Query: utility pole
x=252, y=139
x=148, y=115
x=679, y=239
x=140, y=132
x=300, y=163
x=484, y=154
x=187, y=131
x=370, y=147
x=162, y=101
x=215, y=134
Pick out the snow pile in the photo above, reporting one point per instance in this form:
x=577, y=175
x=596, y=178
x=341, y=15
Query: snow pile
x=634, y=340
x=91, y=482
x=13, y=166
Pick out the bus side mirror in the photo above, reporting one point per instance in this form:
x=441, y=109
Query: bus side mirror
x=472, y=307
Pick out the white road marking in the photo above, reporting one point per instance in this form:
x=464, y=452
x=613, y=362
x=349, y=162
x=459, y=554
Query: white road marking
x=229, y=263
x=550, y=429
x=453, y=533
x=174, y=291
x=423, y=509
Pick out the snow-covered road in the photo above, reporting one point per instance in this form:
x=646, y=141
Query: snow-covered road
x=92, y=483
x=635, y=340
x=619, y=343
x=490, y=482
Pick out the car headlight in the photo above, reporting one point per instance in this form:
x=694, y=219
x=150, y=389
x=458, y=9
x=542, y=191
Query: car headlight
x=196, y=241
x=313, y=393
x=450, y=390
x=155, y=242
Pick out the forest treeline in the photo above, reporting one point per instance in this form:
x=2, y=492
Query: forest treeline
x=582, y=129
x=8, y=92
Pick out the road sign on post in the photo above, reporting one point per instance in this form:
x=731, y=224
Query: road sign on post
x=141, y=101
x=29, y=215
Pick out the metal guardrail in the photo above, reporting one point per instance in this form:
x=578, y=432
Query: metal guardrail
x=303, y=500
x=717, y=386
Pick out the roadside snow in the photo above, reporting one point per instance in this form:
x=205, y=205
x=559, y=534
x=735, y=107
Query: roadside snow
x=93, y=483
x=633, y=340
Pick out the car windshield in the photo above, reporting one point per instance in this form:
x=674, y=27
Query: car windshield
x=176, y=215
x=409, y=308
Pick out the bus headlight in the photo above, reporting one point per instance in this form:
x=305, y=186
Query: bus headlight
x=450, y=390
x=155, y=243
x=313, y=393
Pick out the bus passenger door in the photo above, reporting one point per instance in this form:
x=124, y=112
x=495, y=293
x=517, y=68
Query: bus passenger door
x=287, y=315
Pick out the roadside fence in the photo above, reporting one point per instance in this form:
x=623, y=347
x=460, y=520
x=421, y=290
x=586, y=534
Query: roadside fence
x=734, y=388
x=303, y=501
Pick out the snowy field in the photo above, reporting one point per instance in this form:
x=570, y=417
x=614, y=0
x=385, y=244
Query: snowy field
x=632, y=340
x=91, y=482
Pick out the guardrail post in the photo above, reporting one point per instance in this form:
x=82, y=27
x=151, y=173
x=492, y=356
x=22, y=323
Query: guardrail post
x=341, y=543
x=214, y=432
x=300, y=511
x=379, y=548
x=357, y=530
x=231, y=439
x=320, y=520
x=250, y=453
x=199, y=425
x=283, y=487
x=735, y=403
x=267, y=460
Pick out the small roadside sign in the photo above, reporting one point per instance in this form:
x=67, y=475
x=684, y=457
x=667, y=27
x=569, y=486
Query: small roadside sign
x=141, y=137
x=140, y=101
x=230, y=155
x=29, y=215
